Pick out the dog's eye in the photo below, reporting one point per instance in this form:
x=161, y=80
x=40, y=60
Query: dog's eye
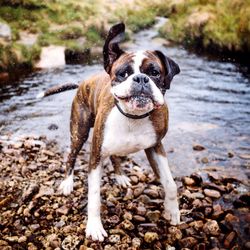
x=155, y=72
x=123, y=74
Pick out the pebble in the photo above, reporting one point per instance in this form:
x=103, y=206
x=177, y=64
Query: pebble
x=126, y=224
x=140, y=210
x=198, y=147
x=211, y=228
x=150, y=237
x=22, y=239
x=136, y=242
x=114, y=238
x=153, y=216
x=30, y=191
x=139, y=218
x=212, y=193
x=229, y=239
x=70, y=242
x=188, y=242
x=188, y=181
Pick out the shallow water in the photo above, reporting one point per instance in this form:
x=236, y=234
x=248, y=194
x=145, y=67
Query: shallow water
x=209, y=105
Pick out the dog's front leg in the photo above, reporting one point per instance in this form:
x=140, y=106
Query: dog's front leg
x=159, y=162
x=94, y=225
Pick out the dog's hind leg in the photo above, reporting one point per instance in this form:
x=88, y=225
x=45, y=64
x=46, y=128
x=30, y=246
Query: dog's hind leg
x=120, y=177
x=80, y=124
x=159, y=162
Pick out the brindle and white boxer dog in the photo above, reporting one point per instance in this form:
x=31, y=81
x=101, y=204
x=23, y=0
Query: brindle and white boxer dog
x=125, y=106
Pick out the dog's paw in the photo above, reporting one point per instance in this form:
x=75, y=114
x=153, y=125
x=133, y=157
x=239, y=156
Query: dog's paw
x=172, y=212
x=66, y=187
x=95, y=229
x=123, y=180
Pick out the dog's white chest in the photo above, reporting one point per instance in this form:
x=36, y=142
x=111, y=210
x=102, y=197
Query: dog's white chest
x=123, y=136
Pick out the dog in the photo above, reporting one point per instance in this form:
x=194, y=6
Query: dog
x=125, y=107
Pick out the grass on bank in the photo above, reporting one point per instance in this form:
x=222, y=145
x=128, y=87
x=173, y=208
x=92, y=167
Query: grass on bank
x=77, y=25
x=221, y=25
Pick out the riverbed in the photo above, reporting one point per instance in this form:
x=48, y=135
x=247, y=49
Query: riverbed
x=208, y=101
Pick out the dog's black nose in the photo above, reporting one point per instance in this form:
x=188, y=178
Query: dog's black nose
x=141, y=79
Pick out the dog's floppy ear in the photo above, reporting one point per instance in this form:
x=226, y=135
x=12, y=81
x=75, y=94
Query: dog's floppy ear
x=111, y=50
x=171, y=68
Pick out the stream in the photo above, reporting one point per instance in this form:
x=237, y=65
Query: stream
x=209, y=103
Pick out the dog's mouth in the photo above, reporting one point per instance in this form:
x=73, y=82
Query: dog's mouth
x=139, y=101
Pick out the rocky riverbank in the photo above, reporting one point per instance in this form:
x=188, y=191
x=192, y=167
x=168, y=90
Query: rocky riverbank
x=214, y=208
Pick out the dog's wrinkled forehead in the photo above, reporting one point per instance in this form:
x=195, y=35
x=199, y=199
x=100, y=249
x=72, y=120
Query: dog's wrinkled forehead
x=138, y=62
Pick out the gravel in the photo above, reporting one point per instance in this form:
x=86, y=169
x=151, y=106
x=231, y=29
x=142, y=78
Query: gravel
x=34, y=215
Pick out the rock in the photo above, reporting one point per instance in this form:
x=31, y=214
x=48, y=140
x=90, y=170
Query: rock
x=188, y=242
x=139, y=190
x=136, y=242
x=212, y=193
x=151, y=193
x=45, y=191
x=128, y=225
x=11, y=238
x=114, y=219
x=204, y=160
x=5, y=32
x=229, y=239
x=245, y=156
x=52, y=57
x=141, y=210
x=70, y=242
x=153, y=216
x=211, y=228
x=247, y=245
x=22, y=239
x=197, y=225
x=231, y=218
x=30, y=191
x=3, y=243
x=114, y=238
x=188, y=181
x=134, y=179
x=127, y=216
x=53, y=126
x=34, y=227
x=139, y=218
x=150, y=237
x=175, y=233
x=217, y=211
x=63, y=210
x=230, y=154
x=117, y=231
x=129, y=195
x=53, y=241
x=198, y=147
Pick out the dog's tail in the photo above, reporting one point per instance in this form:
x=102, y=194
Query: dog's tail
x=58, y=89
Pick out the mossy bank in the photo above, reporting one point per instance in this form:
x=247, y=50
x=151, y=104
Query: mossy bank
x=75, y=25
x=216, y=26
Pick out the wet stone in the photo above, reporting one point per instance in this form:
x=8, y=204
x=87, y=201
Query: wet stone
x=188, y=242
x=229, y=239
x=136, y=242
x=114, y=238
x=126, y=224
x=141, y=210
x=150, y=237
x=151, y=193
x=211, y=228
x=139, y=218
x=153, y=216
x=70, y=242
x=188, y=181
x=212, y=193
x=198, y=147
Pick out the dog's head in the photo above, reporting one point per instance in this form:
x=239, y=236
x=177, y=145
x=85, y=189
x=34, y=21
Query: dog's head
x=138, y=80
